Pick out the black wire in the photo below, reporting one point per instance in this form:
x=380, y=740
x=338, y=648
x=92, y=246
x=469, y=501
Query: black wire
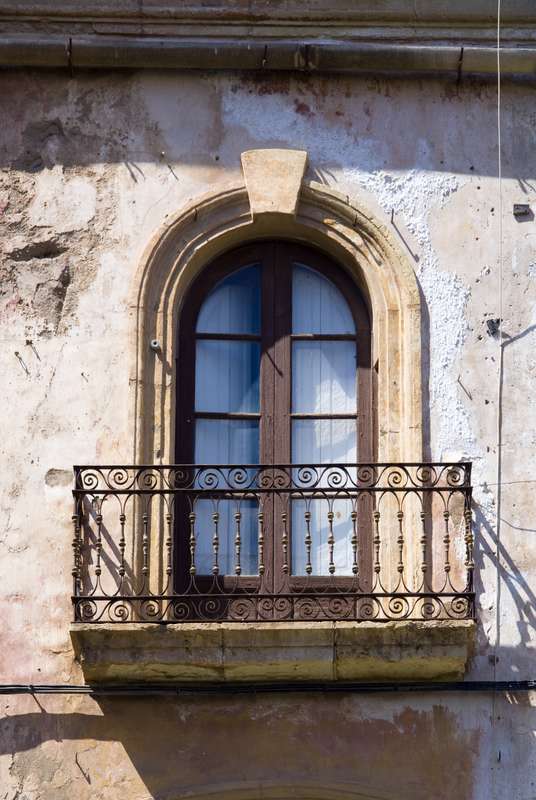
x=97, y=690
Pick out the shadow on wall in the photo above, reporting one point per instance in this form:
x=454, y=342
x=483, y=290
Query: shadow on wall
x=510, y=578
x=425, y=376
x=248, y=747
x=136, y=118
x=490, y=543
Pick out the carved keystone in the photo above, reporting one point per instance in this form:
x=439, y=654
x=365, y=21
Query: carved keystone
x=273, y=180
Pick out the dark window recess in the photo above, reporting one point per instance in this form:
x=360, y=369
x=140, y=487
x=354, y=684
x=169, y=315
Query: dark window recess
x=273, y=369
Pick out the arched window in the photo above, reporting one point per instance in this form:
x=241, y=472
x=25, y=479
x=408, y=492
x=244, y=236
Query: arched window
x=273, y=369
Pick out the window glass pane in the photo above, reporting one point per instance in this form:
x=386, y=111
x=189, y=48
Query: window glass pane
x=324, y=441
x=226, y=441
x=227, y=376
x=317, y=305
x=324, y=377
x=319, y=533
x=234, y=305
x=205, y=528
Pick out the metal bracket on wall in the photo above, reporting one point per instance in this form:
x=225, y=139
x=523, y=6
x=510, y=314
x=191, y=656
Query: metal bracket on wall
x=523, y=211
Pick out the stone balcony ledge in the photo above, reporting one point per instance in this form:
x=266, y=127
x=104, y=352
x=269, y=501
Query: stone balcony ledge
x=229, y=652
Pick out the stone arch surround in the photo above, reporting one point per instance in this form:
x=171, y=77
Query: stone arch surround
x=275, y=202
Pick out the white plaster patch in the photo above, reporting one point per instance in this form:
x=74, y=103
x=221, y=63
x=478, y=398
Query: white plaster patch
x=62, y=204
x=275, y=121
x=413, y=196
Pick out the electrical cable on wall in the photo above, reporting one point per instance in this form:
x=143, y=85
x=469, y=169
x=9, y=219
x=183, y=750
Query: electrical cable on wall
x=335, y=687
x=499, y=338
x=500, y=370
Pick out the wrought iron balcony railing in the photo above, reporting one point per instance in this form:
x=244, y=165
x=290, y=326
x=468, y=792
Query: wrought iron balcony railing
x=262, y=543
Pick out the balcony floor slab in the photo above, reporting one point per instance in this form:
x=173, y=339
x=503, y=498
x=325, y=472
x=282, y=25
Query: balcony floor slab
x=271, y=652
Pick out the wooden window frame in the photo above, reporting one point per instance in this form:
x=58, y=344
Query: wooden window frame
x=276, y=258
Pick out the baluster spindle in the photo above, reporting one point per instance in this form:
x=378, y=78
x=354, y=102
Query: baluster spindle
x=169, y=543
x=308, y=542
x=191, y=544
x=216, y=543
x=122, y=545
x=77, y=551
x=469, y=563
x=284, y=543
x=331, y=542
x=355, y=567
x=424, y=546
x=237, y=542
x=377, y=542
x=446, y=540
x=98, y=543
x=145, y=546
x=261, y=543
x=400, y=542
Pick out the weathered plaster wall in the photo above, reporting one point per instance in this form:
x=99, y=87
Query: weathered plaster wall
x=90, y=167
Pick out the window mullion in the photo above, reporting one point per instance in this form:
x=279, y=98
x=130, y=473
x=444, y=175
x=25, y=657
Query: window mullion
x=283, y=376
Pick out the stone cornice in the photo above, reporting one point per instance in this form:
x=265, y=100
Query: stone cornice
x=456, y=61
x=395, y=37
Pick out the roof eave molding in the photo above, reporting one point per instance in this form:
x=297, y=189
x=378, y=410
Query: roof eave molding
x=389, y=37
